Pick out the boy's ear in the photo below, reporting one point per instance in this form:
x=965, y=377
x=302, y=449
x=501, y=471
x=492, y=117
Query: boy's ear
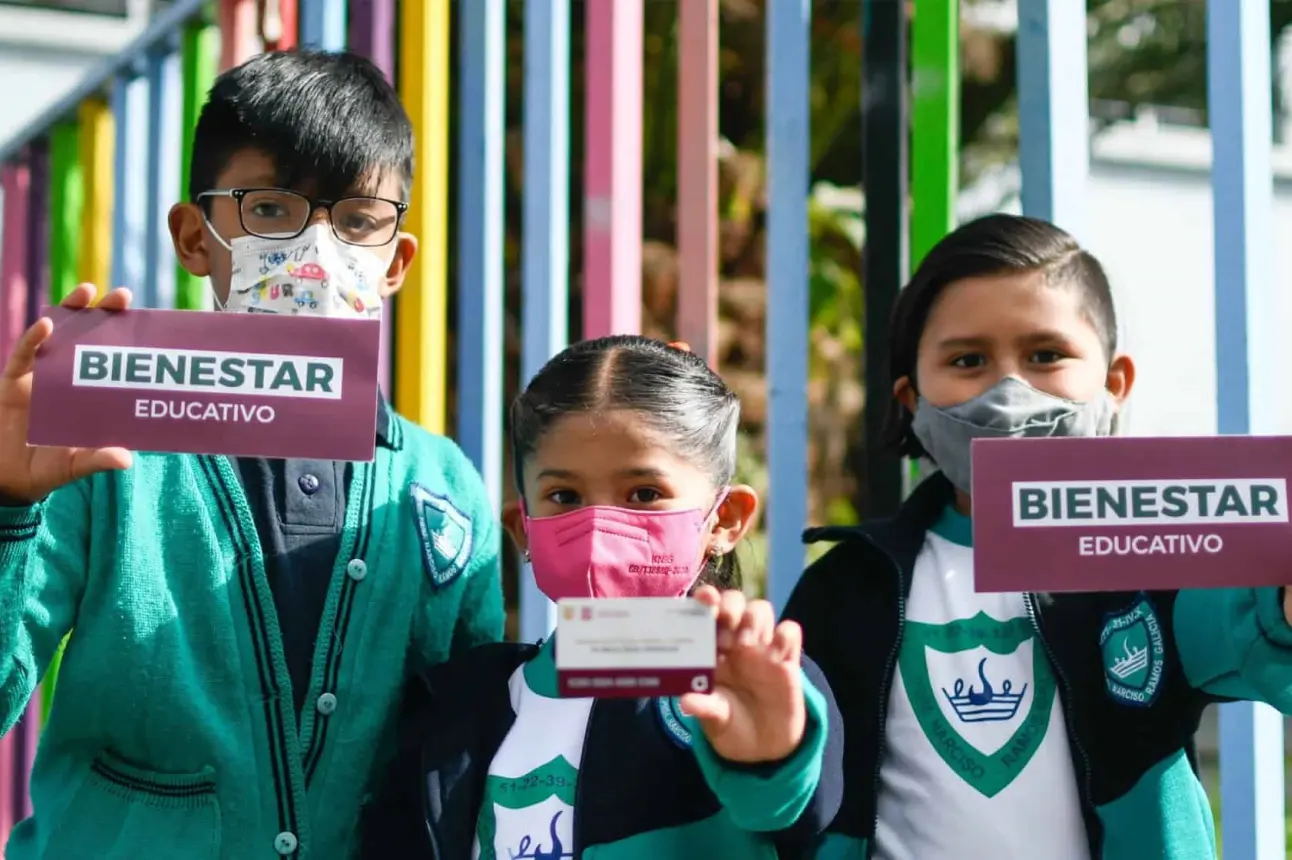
x=187, y=228
x=405, y=251
x=1121, y=378
x=736, y=516
x=905, y=393
x=513, y=520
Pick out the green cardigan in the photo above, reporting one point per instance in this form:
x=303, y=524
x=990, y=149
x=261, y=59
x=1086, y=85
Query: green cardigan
x=172, y=734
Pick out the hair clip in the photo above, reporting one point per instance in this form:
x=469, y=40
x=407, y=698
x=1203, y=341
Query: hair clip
x=680, y=344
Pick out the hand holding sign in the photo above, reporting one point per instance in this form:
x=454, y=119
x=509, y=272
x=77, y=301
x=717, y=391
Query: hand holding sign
x=756, y=711
x=26, y=473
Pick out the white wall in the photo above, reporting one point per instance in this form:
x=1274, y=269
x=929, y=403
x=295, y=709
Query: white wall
x=44, y=54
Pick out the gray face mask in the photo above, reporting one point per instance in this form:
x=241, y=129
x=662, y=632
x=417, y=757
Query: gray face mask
x=1009, y=409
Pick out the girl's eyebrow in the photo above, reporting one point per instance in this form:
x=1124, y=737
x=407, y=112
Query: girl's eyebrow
x=561, y=474
x=963, y=343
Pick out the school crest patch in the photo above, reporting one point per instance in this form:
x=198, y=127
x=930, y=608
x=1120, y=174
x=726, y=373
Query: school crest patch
x=670, y=719
x=982, y=691
x=1134, y=654
x=446, y=536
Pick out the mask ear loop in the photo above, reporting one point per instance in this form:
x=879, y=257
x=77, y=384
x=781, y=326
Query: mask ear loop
x=717, y=503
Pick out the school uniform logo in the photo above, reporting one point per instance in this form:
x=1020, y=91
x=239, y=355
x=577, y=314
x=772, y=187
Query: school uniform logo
x=445, y=533
x=983, y=715
x=1134, y=654
x=670, y=720
x=530, y=816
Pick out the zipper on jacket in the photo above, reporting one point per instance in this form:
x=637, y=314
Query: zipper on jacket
x=1065, y=698
x=885, y=690
x=576, y=850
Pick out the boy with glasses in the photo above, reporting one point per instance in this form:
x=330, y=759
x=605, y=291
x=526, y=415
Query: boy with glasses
x=243, y=627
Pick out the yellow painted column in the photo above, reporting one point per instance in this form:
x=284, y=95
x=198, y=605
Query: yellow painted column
x=97, y=138
x=421, y=343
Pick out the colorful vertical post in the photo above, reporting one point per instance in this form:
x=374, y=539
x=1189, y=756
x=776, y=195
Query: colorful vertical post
x=1054, y=112
x=697, y=177
x=322, y=24
x=1248, y=381
x=612, y=168
x=130, y=222
x=239, y=32
x=163, y=185
x=935, y=123
x=885, y=167
x=278, y=25
x=66, y=203
x=38, y=229
x=199, y=58
x=15, y=179
x=545, y=253
x=97, y=136
x=372, y=34
x=421, y=318
x=789, y=45
x=481, y=129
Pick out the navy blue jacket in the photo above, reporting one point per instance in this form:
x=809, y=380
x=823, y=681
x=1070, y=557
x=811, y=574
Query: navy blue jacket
x=642, y=789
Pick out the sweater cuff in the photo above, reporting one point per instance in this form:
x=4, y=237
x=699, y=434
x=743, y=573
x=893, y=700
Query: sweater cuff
x=1271, y=617
x=19, y=522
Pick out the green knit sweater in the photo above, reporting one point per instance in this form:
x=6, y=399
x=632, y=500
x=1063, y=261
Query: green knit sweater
x=173, y=733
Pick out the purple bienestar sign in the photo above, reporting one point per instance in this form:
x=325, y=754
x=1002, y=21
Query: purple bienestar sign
x=251, y=385
x=1124, y=514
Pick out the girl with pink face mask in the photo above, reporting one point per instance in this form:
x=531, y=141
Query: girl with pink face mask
x=624, y=452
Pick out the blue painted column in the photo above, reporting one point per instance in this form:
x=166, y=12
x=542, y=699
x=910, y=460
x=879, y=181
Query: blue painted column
x=480, y=239
x=130, y=210
x=545, y=253
x=323, y=24
x=161, y=179
x=788, y=164
x=1248, y=379
x=1053, y=112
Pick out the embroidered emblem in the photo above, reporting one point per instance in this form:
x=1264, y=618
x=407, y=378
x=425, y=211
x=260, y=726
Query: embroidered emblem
x=1134, y=654
x=985, y=725
x=529, y=816
x=446, y=536
x=670, y=719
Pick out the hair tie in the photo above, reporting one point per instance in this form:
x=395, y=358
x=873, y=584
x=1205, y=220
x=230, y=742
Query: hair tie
x=680, y=344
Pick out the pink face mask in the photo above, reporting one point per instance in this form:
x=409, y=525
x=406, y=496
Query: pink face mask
x=617, y=552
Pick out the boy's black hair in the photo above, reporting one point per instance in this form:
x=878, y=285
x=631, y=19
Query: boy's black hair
x=992, y=245
x=674, y=390
x=328, y=120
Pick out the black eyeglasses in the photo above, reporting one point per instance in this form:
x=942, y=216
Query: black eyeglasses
x=273, y=213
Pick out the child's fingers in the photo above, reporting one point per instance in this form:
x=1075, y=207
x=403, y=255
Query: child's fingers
x=731, y=608
x=708, y=708
x=79, y=297
x=756, y=625
x=23, y=358
x=708, y=595
x=117, y=300
x=787, y=642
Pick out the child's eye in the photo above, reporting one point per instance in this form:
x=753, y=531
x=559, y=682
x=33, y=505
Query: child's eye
x=264, y=209
x=970, y=361
x=644, y=496
x=563, y=497
x=1047, y=356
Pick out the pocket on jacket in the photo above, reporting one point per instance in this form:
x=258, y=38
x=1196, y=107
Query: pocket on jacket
x=123, y=812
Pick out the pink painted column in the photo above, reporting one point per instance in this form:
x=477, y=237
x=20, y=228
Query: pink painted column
x=612, y=168
x=239, y=32
x=16, y=181
x=697, y=177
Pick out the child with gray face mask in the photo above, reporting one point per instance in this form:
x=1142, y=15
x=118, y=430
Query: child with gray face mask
x=1025, y=725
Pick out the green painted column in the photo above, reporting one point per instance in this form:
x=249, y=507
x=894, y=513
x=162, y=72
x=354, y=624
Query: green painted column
x=200, y=59
x=935, y=123
x=935, y=133
x=66, y=207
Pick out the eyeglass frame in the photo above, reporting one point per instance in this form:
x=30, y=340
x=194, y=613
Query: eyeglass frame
x=315, y=204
